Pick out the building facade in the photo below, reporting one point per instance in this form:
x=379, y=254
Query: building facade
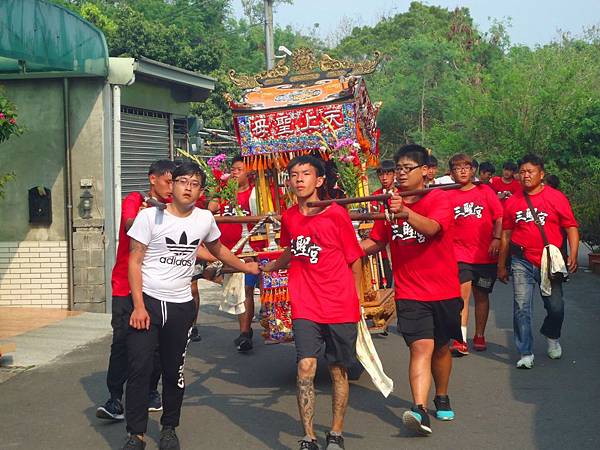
x=92, y=126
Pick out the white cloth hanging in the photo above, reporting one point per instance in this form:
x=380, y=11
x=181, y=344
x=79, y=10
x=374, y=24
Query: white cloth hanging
x=368, y=357
x=557, y=264
x=234, y=294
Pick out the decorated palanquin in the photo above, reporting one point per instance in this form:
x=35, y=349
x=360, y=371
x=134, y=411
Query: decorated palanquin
x=284, y=112
x=306, y=106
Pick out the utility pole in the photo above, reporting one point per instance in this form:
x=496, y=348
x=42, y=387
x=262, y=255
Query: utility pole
x=269, y=44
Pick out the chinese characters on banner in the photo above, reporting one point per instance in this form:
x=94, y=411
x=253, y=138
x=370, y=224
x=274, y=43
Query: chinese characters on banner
x=299, y=121
x=295, y=129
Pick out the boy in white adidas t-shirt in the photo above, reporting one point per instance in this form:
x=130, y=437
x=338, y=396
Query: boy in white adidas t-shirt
x=161, y=264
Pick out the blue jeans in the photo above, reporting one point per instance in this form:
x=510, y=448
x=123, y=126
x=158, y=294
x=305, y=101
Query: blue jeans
x=525, y=278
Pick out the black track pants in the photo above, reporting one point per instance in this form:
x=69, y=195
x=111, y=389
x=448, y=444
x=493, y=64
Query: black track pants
x=170, y=327
x=117, y=363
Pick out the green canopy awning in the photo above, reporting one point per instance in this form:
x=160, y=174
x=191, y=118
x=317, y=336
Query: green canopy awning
x=40, y=39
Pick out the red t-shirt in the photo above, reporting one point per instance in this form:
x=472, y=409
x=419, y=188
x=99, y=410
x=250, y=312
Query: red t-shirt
x=474, y=211
x=554, y=211
x=425, y=268
x=130, y=206
x=231, y=233
x=498, y=185
x=320, y=281
x=378, y=206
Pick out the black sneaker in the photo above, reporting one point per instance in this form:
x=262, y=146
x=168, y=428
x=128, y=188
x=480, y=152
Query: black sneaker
x=112, y=410
x=243, y=342
x=154, y=402
x=334, y=442
x=442, y=405
x=306, y=444
x=134, y=443
x=194, y=336
x=168, y=439
x=417, y=420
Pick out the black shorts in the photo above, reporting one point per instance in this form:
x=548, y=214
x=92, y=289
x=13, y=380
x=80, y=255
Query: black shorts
x=439, y=320
x=339, y=340
x=482, y=276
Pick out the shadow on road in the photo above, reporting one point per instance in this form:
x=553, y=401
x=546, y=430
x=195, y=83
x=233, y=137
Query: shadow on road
x=560, y=391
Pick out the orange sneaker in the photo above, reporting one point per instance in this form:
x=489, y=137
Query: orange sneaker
x=479, y=343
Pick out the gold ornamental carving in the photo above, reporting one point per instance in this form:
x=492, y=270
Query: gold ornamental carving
x=305, y=68
x=279, y=71
x=328, y=64
x=303, y=60
x=243, y=81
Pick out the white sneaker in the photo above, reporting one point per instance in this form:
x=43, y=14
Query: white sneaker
x=526, y=362
x=554, y=349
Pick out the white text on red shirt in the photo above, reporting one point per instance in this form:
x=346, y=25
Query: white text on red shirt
x=468, y=209
x=302, y=246
x=526, y=216
x=407, y=232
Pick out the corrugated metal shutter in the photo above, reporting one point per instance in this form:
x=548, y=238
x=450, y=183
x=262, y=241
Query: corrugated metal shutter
x=144, y=139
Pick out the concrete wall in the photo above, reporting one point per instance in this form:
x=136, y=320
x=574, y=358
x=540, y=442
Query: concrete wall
x=88, y=144
x=38, y=158
x=89, y=282
x=88, y=147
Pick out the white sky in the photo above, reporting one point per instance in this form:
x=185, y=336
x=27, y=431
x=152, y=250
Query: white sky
x=533, y=21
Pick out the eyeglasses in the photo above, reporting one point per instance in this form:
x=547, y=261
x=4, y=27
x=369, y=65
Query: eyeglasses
x=188, y=182
x=407, y=169
x=462, y=168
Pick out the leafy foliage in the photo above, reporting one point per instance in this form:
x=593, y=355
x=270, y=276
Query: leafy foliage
x=8, y=119
x=8, y=127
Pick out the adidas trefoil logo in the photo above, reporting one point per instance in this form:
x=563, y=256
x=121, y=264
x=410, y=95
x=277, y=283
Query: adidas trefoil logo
x=180, y=249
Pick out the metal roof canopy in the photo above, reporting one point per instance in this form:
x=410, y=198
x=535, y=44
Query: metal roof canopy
x=190, y=86
x=39, y=39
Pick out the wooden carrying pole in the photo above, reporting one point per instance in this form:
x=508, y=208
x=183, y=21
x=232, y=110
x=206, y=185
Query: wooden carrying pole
x=383, y=197
x=353, y=216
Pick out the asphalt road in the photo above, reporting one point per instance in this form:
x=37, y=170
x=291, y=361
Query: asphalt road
x=236, y=401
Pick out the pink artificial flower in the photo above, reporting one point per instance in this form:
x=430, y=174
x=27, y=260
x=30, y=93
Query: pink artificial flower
x=12, y=121
x=343, y=143
x=225, y=176
x=216, y=161
x=1, y=115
